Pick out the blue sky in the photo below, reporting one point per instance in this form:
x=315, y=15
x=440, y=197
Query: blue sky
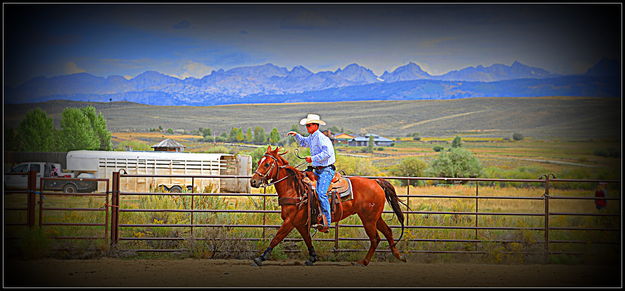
x=186, y=40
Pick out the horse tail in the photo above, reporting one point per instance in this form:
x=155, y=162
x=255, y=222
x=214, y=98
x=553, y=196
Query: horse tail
x=391, y=197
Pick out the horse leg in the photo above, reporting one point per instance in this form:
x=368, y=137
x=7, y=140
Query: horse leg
x=284, y=230
x=304, y=231
x=388, y=233
x=374, y=237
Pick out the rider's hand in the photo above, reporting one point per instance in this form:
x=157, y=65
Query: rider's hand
x=291, y=133
x=309, y=159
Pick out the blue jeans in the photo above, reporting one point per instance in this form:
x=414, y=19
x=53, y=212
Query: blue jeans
x=324, y=178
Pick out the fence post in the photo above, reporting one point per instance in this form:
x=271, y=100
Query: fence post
x=31, y=202
x=546, y=197
x=115, y=209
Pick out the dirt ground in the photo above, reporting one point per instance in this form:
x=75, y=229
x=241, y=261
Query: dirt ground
x=114, y=272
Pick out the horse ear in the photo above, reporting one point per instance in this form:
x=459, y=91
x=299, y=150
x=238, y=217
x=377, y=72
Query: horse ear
x=269, y=149
x=275, y=152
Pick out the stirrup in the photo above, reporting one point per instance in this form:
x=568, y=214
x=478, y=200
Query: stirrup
x=322, y=227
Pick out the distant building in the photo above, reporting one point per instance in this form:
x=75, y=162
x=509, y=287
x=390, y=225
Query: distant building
x=168, y=145
x=363, y=141
x=343, y=138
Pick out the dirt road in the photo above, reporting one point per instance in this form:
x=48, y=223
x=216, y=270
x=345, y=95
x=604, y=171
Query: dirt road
x=113, y=272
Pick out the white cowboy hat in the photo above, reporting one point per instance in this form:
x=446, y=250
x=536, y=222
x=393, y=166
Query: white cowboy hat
x=312, y=118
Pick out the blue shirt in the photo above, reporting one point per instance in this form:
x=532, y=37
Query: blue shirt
x=321, y=149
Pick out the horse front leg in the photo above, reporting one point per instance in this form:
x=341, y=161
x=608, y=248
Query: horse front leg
x=284, y=230
x=305, y=232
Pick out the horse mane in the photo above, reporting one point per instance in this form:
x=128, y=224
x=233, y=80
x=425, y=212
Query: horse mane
x=301, y=187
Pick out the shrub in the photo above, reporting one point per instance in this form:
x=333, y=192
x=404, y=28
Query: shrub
x=455, y=163
x=457, y=142
x=133, y=145
x=409, y=167
x=517, y=136
x=438, y=148
x=356, y=166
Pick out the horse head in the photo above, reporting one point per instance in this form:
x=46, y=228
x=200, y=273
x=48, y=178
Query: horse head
x=268, y=167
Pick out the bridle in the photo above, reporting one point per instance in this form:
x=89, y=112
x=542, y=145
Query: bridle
x=264, y=177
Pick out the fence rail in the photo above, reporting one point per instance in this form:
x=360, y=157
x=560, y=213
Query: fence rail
x=117, y=208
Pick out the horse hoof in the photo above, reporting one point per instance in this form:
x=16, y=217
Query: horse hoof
x=403, y=259
x=257, y=262
x=359, y=263
x=309, y=263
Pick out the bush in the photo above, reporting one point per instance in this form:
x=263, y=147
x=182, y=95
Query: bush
x=132, y=145
x=438, y=148
x=356, y=166
x=517, y=136
x=455, y=163
x=409, y=167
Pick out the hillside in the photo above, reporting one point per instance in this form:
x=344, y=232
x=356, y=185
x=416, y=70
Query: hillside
x=567, y=118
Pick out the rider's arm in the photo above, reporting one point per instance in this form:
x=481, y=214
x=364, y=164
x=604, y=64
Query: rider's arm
x=303, y=141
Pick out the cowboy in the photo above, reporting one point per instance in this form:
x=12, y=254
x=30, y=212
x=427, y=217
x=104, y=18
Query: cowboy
x=322, y=160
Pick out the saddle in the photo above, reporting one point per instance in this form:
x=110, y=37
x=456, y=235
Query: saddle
x=340, y=190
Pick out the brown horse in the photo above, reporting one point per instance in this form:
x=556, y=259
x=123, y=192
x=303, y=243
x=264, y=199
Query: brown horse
x=368, y=204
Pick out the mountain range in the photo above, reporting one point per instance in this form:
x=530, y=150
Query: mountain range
x=269, y=83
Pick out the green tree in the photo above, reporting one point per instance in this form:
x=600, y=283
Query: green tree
x=409, y=167
x=455, y=163
x=170, y=131
x=36, y=133
x=259, y=135
x=98, y=124
x=517, y=136
x=239, y=137
x=248, y=135
x=206, y=133
x=77, y=132
x=274, y=136
x=295, y=128
x=457, y=142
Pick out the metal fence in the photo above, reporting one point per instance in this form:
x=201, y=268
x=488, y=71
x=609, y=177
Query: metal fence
x=546, y=181
x=116, y=208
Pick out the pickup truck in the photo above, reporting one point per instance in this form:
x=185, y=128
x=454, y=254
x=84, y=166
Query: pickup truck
x=45, y=169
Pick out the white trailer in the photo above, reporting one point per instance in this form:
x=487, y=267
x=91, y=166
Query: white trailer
x=104, y=163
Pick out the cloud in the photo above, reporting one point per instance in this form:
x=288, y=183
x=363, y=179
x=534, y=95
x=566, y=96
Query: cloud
x=72, y=68
x=308, y=20
x=182, y=25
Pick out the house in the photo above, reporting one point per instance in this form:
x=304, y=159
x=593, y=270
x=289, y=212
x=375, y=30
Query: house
x=363, y=141
x=168, y=145
x=343, y=138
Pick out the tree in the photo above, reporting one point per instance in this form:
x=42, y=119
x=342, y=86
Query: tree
x=206, y=133
x=457, y=142
x=77, y=132
x=259, y=135
x=274, y=136
x=170, y=131
x=36, y=133
x=295, y=128
x=409, y=167
x=248, y=135
x=239, y=135
x=517, y=136
x=455, y=163
x=98, y=124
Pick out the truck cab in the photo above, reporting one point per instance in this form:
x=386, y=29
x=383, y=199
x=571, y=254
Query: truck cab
x=13, y=180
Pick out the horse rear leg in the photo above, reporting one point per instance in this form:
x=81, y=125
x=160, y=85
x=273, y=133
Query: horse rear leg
x=388, y=233
x=305, y=232
x=284, y=230
x=374, y=238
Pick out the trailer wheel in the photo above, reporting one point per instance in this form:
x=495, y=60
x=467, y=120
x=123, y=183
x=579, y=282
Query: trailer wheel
x=175, y=189
x=70, y=188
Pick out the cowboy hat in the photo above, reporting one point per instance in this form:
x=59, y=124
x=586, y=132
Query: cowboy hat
x=312, y=118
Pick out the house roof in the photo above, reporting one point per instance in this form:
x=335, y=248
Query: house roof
x=343, y=135
x=168, y=143
x=375, y=138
